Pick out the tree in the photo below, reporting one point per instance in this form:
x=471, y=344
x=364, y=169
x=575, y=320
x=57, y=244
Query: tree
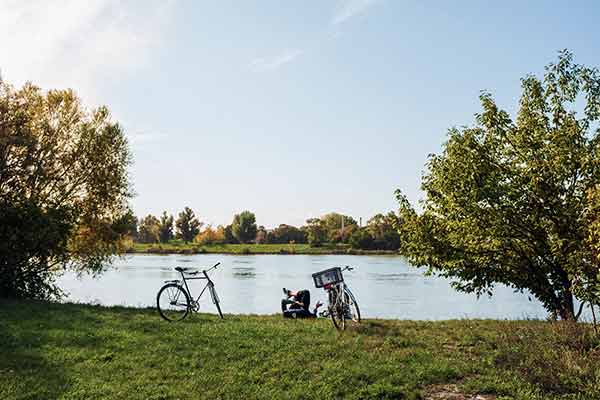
x=316, y=232
x=361, y=239
x=587, y=286
x=243, y=227
x=210, y=236
x=284, y=234
x=187, y=225
x=64, y=189
x=228, y=234
x=384, y=231
x=506, y=200
x=149, y=229
x=166, y=227
x=333, y=223
x=261, y=235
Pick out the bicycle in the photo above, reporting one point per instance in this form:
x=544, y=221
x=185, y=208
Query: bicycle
x=342, y=304
x=175, y=301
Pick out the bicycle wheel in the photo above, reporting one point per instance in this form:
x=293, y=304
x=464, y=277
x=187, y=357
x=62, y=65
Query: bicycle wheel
x=352, y=305
x=336, y=310
x=173, y=302
x=215, y=299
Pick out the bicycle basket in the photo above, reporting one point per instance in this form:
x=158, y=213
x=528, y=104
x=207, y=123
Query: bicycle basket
x=328, y=277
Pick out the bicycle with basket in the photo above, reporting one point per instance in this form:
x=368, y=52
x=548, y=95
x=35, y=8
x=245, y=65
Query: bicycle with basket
x=342, y=305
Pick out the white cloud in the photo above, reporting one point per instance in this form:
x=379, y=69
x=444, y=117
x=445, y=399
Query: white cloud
x=272, y=63
x=347, y=9
x=78, y=44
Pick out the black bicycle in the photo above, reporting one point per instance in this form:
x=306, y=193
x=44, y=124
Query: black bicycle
x=175, y=301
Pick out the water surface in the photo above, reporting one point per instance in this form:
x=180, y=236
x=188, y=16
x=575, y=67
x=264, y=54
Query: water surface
x=385, y=286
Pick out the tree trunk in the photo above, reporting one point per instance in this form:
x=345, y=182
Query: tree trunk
x=566, y=309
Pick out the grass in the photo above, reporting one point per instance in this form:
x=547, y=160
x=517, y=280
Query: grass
x=69, y=351
x=180, y=247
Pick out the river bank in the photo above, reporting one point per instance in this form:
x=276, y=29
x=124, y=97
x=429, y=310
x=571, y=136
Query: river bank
x=191, y=248
x=50, y=350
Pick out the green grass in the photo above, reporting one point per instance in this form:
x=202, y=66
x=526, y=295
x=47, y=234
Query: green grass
x=192, y=248
x=68, y=351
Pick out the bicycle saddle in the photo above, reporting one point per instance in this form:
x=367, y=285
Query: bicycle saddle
x=179, y=269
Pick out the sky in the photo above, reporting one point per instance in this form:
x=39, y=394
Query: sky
x=288, y=109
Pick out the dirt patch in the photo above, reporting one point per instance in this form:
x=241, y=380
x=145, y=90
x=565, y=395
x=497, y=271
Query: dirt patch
x=451, y=392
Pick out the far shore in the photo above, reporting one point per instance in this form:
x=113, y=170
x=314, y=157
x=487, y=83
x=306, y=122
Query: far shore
x=249, y=249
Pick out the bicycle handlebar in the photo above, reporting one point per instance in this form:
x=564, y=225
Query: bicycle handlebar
x=348, y=268
x=213, y=267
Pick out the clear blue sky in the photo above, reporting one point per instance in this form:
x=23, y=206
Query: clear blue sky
x=288, y=109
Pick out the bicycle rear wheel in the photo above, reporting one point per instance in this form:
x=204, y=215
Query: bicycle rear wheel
x=173, y=302
x=336, y=310
x=352, y=305
x=215, y=299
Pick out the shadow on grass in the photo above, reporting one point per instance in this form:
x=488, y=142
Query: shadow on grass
x=32, y=336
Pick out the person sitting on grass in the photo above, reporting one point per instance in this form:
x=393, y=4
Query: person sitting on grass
x=297, y=303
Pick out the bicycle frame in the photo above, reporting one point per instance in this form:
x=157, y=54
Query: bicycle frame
x=209, y=284
x=340, y=300
x=337, y=289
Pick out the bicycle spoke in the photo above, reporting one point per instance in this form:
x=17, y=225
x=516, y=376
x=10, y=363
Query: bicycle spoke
x=172, y=303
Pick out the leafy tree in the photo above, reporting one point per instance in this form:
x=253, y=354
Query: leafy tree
x=149, y=229
x=361, y=239
x=243, y=227
x=63, y=189
x=228, y=234
x=166, y=227
x=210, y=236
x=333, y=225
x=128, y=225
x=384, y=231
x=286, y=234
x=506, y=200
x=593, y=222
x=261, y=235
x=187, y=225
x=342, y=235
x=316, y=231
x=587, y=286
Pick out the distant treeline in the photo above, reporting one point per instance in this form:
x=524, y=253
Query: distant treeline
x=379, y=233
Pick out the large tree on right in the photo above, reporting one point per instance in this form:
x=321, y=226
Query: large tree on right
x=507, y=201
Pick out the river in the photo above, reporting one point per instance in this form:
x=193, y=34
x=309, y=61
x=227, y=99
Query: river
x=385, y=286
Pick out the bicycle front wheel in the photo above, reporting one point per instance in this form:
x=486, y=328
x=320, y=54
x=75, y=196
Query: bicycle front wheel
x=215, y=299
x=173, y=302
x=353, y=312
x=336, y=310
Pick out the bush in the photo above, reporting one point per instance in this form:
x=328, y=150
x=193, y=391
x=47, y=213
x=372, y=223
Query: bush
x=361, y=239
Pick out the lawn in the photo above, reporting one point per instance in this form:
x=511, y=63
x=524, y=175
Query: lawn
x=68, y=351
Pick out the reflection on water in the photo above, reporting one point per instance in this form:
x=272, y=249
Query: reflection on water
x=244, y=272
x=385, y=286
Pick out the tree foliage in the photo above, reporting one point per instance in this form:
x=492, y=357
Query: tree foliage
x=211, y=235
x=149, y=229
x=333, y=223
x=63, y=187
x=285, y=234
x=228, y=233
x=188, y=226
x=244, y=227
x=380, y=233
x=506, y=200
x=361, y=239
x=166, y=228
x=384, y=230
x=316, y=232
